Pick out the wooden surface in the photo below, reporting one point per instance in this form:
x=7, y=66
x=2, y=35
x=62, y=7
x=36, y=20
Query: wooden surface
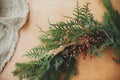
x=42, y=10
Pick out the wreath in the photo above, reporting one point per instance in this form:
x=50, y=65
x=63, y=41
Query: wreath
x=64, y=42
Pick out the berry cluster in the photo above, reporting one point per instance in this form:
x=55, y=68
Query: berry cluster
x=97, y=37
x=83, y=44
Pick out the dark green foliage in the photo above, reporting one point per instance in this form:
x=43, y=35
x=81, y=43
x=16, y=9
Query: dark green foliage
x=48, y=67
x=112, y=27
x=79, y=34
x=72, y=70
x=33, y=70
x=112, y=13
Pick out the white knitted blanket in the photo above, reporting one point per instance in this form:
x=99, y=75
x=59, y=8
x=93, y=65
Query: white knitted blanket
x=13, y=15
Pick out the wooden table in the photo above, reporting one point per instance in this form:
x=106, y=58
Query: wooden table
x=42, y=10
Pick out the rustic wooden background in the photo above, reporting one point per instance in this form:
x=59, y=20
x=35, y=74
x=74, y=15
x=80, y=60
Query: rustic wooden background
x=42, y=10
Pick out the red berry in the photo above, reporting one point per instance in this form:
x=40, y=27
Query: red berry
x=93, y=40
x=80, y=38
x=80, y=50
x=85, y=35
x=88, y=45
x=73, y=48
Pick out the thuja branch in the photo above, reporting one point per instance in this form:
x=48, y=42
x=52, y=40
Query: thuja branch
x=63, y=43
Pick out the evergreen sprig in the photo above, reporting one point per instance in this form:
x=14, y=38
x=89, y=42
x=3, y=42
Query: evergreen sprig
x=66, y=40
x=111, y=25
